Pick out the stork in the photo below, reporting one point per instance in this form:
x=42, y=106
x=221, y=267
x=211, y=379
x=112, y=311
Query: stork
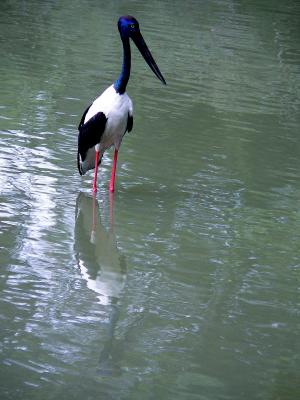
x=110, y=116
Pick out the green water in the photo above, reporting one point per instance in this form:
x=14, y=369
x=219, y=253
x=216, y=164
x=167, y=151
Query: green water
x=185, y=283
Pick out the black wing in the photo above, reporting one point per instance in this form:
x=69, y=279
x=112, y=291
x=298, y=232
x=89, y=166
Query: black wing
x=90, y=134
x=129, y=123
x=83, y=117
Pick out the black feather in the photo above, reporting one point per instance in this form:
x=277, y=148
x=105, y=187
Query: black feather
x=90, y=134
x=83, y=117
x=129, y=123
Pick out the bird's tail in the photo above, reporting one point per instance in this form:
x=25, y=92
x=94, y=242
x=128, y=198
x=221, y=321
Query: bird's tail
x=79, y=164
x=88, y=162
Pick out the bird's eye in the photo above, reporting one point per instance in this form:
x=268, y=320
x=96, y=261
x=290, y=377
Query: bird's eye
x=132, y=26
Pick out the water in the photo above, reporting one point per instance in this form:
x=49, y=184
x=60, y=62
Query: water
x=185, y=283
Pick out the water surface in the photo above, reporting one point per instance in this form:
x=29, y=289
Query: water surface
x=185, y=283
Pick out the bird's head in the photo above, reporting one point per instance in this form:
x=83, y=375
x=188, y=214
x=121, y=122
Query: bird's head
x=129, y=28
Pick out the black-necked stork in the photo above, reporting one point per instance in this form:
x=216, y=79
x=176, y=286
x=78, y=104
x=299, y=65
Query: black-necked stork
x=110, y=116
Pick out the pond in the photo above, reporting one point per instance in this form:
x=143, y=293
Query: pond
x=184, y=283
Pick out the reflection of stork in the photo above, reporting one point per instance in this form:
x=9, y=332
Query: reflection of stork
x=104, y=270
x=99, y=260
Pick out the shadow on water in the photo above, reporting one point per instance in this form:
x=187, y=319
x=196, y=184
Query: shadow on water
x=102, y=266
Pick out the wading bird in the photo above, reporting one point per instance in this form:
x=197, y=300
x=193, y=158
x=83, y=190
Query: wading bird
x=110, y=116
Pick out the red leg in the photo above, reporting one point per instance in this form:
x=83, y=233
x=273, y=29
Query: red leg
x=113, y=172
x=96, y=172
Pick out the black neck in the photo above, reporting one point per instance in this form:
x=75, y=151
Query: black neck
x=121, y=83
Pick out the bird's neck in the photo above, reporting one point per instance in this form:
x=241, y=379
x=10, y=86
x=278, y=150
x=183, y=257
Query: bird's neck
x=121, y=83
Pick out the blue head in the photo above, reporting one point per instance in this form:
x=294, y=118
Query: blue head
x=129, y=28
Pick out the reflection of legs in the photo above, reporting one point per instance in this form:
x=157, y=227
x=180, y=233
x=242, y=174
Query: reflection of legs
x=113, y=172
x=96, y=172
x=94, y=219
x=111, y=211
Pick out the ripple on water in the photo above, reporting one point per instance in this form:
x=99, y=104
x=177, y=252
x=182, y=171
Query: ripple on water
x=206, y=208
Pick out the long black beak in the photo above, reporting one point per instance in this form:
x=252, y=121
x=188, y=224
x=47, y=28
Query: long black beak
x=145, y=52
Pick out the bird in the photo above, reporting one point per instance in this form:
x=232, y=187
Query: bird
x=110, y=116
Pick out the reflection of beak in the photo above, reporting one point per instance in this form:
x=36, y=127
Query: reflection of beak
x=145, y=52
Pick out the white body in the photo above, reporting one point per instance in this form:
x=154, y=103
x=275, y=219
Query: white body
x=116, y=108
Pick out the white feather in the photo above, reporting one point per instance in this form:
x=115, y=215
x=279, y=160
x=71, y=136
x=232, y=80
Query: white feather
x=116, y=107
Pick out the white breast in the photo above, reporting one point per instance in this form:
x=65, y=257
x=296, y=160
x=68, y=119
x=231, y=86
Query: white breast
x=116, y=108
